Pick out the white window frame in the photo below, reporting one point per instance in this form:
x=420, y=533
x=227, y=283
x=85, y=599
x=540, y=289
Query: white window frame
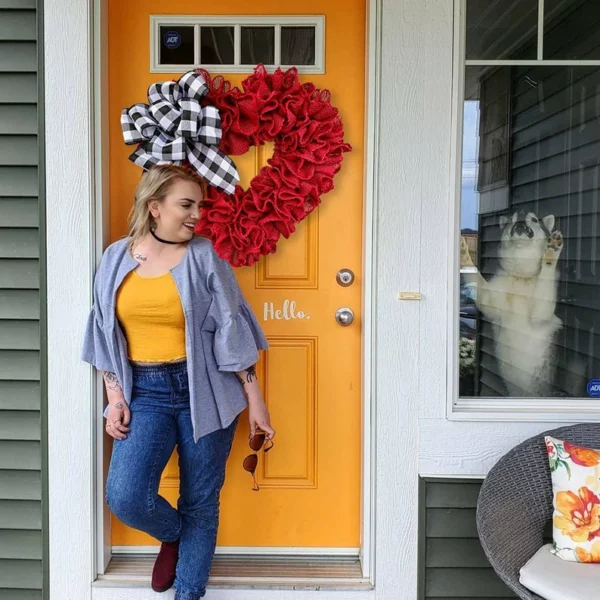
x=237, y=22
x=491, y=409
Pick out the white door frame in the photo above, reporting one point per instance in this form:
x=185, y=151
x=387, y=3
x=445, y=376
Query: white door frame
x=406, y=85
x=101, y=227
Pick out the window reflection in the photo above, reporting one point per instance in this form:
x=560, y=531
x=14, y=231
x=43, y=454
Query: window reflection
x=501, y=30
x=571, y=29
x=530, y=226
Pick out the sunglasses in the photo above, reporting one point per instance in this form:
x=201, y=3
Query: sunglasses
x=256, y=442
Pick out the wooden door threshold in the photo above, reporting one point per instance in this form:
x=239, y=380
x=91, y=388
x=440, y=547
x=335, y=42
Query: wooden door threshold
x=302, y=572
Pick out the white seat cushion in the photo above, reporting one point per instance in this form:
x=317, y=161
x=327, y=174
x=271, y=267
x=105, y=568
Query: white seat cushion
x=555, y=579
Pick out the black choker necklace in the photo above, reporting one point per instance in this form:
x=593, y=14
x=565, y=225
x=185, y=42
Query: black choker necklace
x=161, y=240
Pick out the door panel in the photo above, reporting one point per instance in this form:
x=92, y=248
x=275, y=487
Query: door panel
x=311, y=375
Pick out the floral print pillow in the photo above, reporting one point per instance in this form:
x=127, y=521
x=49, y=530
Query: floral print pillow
x=576, y=486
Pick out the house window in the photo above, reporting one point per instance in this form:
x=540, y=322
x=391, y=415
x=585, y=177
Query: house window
x=236, y=44
x=217, y=45
x=298, y=45
x=258, y=45
x=176, y=45
x=528, y=297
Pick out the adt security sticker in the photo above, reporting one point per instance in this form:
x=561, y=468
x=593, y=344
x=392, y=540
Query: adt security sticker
x=593, y=388
x=172, y=40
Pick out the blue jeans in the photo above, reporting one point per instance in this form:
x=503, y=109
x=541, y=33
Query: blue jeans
x=160, y=419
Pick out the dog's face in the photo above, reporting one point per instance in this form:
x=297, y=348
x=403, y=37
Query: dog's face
x=523, y=242
x=524, y=227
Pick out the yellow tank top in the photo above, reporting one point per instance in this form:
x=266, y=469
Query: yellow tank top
x=150, y=312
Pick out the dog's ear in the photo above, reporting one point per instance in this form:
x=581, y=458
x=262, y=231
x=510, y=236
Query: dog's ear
x=549, y=222
x=503, y=221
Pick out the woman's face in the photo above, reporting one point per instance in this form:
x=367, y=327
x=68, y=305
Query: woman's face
x=177, y=214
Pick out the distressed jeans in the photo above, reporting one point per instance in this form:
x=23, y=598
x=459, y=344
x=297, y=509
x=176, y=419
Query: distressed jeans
x=160, y=419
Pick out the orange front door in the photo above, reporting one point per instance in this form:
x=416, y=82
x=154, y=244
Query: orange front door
x=311, y=375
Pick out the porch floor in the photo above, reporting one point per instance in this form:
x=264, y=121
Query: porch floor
x=249, y=572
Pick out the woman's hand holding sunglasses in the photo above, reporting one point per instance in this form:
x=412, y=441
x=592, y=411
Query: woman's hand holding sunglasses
x=261, y=432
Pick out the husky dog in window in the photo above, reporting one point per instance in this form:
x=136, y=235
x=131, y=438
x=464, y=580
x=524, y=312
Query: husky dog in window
x=520, y=300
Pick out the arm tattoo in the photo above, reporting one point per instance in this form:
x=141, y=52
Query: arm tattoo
x=112, y=383
x=119, y=405
x=250, y=376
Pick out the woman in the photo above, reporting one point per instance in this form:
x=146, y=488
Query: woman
x=177, y=344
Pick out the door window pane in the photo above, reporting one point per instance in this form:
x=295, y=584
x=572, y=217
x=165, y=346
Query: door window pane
x=530, y=232
x=298, y=45
x=258, y=45
x=216, y=45
x=501, y=30
x=176, y=45
x=572, y=29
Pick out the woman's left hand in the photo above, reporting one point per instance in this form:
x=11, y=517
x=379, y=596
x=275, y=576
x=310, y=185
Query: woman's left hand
x=259, y=417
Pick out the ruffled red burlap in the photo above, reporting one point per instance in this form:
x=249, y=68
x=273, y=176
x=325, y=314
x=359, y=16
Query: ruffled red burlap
x=308, y=136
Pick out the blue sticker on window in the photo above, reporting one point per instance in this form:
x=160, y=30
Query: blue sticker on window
x=593, y=388
x=172, y=40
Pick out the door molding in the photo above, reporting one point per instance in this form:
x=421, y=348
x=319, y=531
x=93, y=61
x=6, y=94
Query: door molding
x=369, y=253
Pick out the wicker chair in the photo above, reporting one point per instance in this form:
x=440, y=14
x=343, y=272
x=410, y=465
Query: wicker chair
x=515, y=503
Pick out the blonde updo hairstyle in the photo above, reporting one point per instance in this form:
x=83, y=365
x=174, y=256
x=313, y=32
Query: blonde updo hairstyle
x=155, y=184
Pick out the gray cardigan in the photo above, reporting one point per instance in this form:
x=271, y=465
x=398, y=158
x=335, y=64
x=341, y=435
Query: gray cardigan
x=222, y=334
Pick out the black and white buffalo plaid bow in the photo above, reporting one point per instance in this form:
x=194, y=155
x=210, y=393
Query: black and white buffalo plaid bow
x=174, y=127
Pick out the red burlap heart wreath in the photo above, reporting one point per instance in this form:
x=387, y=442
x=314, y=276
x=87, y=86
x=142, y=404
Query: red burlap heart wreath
x=308, y=136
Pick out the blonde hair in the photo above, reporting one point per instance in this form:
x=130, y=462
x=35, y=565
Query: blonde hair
x=155, y=184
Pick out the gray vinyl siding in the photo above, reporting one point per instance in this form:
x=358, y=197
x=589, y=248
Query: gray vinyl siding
x=23, y=490
x=452, y=563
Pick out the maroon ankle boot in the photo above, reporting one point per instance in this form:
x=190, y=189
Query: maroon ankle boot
x=163, y=574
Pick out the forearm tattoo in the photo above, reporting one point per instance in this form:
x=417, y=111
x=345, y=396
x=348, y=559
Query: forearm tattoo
x=112, y=383
x=250, y=376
